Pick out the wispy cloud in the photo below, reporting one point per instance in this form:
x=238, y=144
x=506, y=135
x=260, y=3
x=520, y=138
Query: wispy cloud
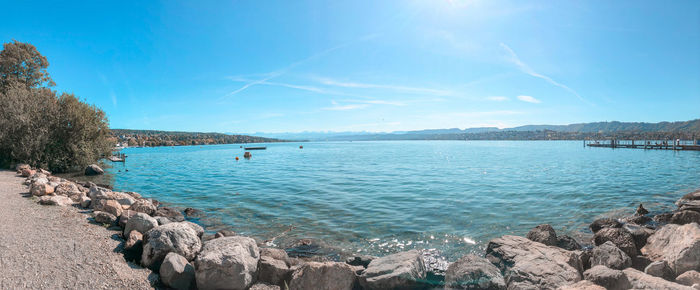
x=377, y=102
x=338, y=107
x=529, y=99
x=497, y=98
x=407, y=89
x=528, y=70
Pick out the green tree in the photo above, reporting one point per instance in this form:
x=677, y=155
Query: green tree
x=39, y=127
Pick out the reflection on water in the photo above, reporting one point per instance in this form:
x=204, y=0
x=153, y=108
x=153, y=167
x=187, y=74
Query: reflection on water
x=384, y=197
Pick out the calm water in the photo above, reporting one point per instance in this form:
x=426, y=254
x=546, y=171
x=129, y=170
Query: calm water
x=380, y=197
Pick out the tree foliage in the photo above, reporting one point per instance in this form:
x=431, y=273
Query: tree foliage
x=40, y=127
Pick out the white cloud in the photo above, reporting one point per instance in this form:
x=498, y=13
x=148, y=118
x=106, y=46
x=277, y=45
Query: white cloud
x=406, y=89
x=529, y=99
x=338, y=107
x=528, y=70
x=497, y=98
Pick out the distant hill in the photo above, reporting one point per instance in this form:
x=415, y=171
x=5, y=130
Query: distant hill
x=152, y=138
x=601, y=130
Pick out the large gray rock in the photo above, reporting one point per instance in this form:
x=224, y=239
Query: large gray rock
x=323, y=276
x=678, y=245
x=611, y=279
x=544, y=234
x=161, y=240
x=640, y=234
x=640, y=280
x=176, y=272
x=274, y=267
x=618, y=236
x=69, y=189
x=104, y=217
x=139, y=222
x=227, y=263
x=528, y=264
x=93, y=169
x=144, y=206
x=685, y=217
x=197, y=228
x=689, y=278
x=610, y=256
x=163, y=220
x=472, y=272
x=41, y=189
x=660, y=269
x=400, y=270
x=604, y=223
x=124, y=218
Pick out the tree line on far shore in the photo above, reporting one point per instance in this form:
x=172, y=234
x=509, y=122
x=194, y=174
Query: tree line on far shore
x=153, y=138
x=40, y=126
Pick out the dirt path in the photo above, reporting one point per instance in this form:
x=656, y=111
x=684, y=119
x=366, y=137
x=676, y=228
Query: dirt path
x=53, y=247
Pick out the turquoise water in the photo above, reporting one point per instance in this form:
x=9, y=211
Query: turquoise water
x=382, y=197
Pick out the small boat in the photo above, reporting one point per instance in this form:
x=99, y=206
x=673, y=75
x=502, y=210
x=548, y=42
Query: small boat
x=255, y=148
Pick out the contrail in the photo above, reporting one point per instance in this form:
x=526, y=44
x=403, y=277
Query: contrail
x=528, y=70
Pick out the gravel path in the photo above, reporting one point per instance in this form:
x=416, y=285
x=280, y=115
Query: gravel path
x=53, y=247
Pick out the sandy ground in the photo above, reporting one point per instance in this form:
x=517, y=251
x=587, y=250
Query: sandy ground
x=53, y=247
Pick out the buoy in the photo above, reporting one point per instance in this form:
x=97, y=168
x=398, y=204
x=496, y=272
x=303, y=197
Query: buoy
x=236, y=158
x=301, y=147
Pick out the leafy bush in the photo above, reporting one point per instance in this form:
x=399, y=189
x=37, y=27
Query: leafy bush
x=40, y=127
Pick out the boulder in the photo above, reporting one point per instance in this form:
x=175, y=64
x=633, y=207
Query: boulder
x=55, y=200
x=139, y=222
x=163, y=220
x=124, y=218
x=362, y=260
x=610, y=256
x=41, y=189
x=693, y=205
x=93, y=169
x=472, y=272
x=604, y=223
x=582, y=285
x=22, y=166
x=69, y=189
x=274, y=271
x=611, y=279
x=663, y=218
x=685, y=217
x=192, y=212
x=660, y=269
x=618, y=236
x=678, y=245
x=323, y=276
x=568, y=243
x=544, y=234
x=104, y=217
x=528, y=264
x=143, y=206
x=84, y=201
x=197, y=228
x=688, y=198
x=96, y=193
x=637, y=220
x=640, y=280
x=639, y=233
x=400, y=270
x=689, y=278
x=27, y=172
x=161, y=240
x=134, y=239
x=170, y=213
x=176, y=272
x=107, y=205
x=227, y=263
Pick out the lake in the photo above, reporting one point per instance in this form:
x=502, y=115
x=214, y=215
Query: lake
x=383, y=197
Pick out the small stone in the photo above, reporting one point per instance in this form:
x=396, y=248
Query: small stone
x=604, y=223
x=610, y=256
x=660, y=269
x=568, y=243
x=93, y=169
x=104, y=217
x=171, y=213
x=543, y=234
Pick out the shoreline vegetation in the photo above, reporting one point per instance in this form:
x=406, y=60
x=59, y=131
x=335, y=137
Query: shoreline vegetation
x=156, y=138
x=640, y=251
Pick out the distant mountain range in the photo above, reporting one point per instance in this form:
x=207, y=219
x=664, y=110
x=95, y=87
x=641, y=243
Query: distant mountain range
x=682, y=129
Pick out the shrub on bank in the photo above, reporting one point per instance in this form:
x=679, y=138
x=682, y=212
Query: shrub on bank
x=40, y=127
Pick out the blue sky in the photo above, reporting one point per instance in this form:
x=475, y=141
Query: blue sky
x=287, y=66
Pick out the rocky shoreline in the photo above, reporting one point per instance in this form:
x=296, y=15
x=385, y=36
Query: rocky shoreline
x=636, y=252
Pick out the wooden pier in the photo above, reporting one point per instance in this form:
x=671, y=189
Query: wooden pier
x=646, y=144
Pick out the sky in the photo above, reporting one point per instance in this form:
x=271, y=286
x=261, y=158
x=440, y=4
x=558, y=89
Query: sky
x=380, y=66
